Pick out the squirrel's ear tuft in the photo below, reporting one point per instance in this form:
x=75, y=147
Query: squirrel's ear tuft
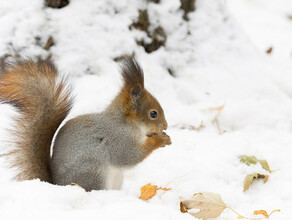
x=133, y=75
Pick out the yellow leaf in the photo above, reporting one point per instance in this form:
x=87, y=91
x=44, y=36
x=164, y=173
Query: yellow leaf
x=148, y=191
x=248, y=160
x=210, y=205
x=249, y=179
x=265, y=165
x=261, y=212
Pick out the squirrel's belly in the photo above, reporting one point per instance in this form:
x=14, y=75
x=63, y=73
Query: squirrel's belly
x=114, y=178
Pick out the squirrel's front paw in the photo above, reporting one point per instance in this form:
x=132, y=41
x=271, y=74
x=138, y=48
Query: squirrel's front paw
x=165, y=139
x=156, y=140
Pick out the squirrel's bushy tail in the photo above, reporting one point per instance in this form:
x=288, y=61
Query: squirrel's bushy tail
x=43, y=102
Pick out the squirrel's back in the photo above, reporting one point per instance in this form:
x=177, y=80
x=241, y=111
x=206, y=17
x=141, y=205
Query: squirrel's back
x=43, y=101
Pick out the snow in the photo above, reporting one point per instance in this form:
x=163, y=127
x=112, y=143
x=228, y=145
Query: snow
x=218, y=58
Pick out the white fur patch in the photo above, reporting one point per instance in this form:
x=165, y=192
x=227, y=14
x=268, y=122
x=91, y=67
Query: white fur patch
x=114, y=178
x=143, y=134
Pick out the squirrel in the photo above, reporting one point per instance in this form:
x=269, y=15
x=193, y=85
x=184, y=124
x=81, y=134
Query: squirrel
x=90, y=150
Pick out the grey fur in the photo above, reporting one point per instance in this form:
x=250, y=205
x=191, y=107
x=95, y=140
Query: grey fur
x=88, y=145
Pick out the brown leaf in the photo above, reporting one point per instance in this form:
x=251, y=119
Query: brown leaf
x=249, y=179
x=148, y=191
x=270, y=50
x=265, y=177
x=261, y=212
x=182, y=208
x=210, y=205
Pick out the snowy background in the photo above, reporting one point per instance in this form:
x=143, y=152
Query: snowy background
x=215, y=59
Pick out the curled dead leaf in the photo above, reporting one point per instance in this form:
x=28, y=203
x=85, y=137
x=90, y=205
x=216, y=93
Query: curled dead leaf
x=250, y=178
x=148, y=191
x=182, y=208
x=211, y=205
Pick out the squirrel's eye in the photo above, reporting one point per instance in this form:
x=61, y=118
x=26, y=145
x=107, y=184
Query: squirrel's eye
x=153, y=114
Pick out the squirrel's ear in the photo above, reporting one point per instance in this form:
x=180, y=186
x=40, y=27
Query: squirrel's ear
x=137, y=91
x=133, y=77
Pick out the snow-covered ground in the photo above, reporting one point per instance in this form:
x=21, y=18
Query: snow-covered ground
x=218, y=58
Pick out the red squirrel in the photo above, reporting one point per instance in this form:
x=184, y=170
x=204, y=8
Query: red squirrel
x=91, y=150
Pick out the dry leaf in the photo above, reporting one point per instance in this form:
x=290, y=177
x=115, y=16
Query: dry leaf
x=148, y=191
x=265, y=165
x=248, y=160
x=249, y=179
x=182, y=208
x=268, y=51
x=210, y=205
x=261, y=212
